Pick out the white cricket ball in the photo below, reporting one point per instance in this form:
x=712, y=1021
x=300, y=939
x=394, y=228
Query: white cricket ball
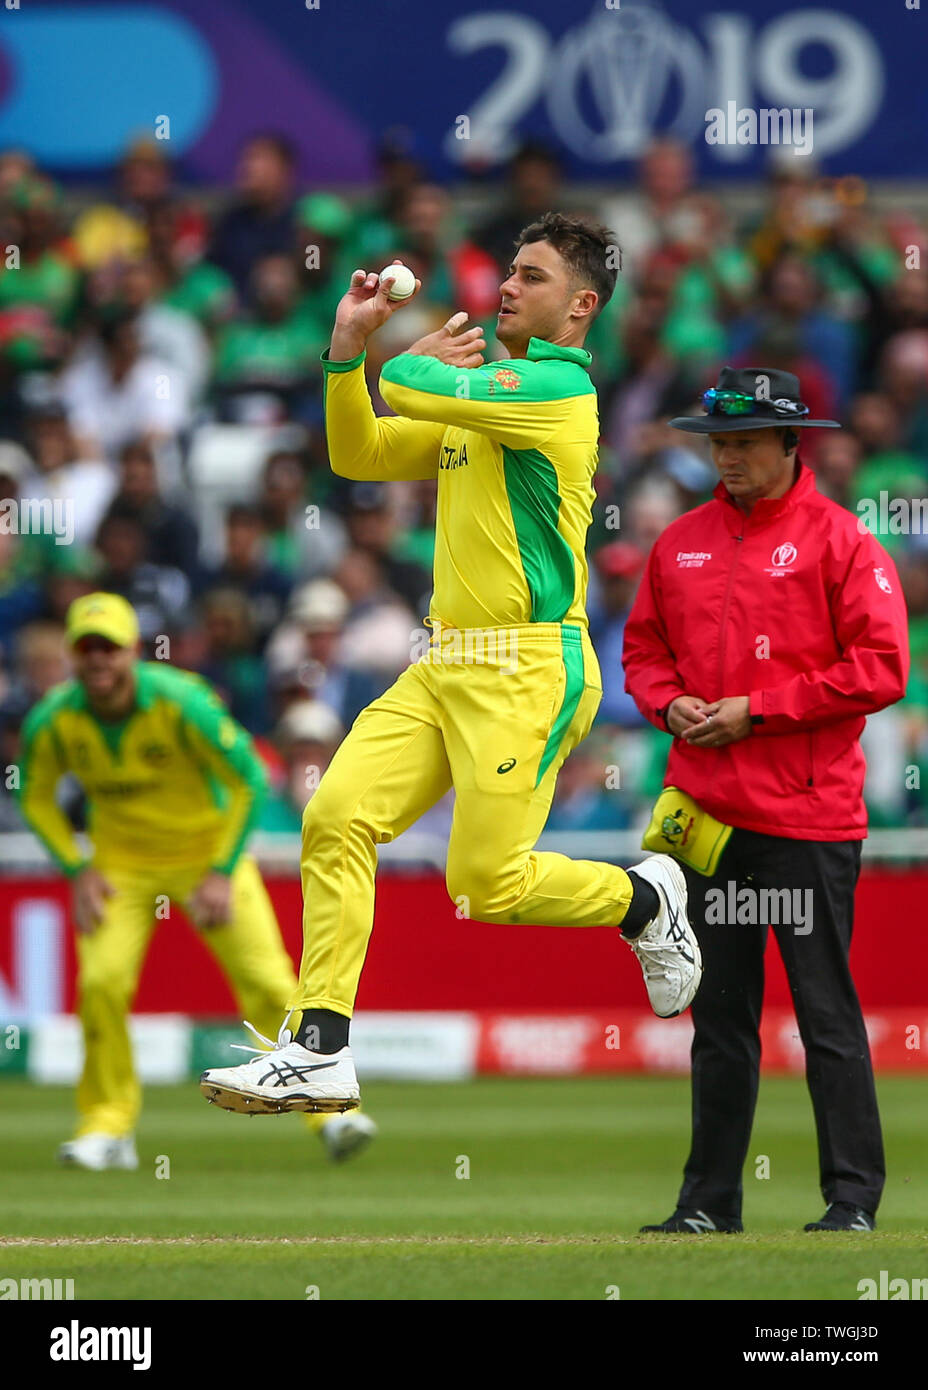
x=404, y=282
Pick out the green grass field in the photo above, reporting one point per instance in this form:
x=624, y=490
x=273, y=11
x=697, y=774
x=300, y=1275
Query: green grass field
x=562, y=1173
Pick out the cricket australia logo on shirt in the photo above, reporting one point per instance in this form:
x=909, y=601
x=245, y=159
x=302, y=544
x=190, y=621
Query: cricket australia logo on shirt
x=508, y=379
x=782, y=559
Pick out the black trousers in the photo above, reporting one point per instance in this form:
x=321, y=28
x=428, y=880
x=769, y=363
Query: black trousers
x=726, y=1016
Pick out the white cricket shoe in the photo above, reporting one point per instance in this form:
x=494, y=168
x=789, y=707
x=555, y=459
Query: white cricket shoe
x=346, y=1135
x=667, y=949
x=282, y=1077
x=99, y=1151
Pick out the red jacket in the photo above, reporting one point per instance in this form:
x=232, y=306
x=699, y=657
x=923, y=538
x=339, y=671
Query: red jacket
x=796, y=607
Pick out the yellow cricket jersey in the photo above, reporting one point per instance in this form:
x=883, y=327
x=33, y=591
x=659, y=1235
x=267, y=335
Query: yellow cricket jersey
x=514, y=446
x=176, y=782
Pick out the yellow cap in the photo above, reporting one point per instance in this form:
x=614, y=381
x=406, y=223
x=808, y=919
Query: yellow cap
x=102, y=615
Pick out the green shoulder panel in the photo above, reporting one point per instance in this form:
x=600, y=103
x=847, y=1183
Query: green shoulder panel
x=67, y=696
x=516, y=379
x=204, y=711
x=159, y=680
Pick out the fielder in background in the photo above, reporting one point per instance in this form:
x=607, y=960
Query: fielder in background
x=173, y=786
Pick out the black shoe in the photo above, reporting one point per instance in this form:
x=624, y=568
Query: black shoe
x=686, y=1221
x=844, y=1216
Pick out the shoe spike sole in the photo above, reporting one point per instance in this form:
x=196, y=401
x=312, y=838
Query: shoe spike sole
x=240, y=1104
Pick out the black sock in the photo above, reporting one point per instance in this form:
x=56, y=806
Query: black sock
x=323, y=1030
x=643, y=908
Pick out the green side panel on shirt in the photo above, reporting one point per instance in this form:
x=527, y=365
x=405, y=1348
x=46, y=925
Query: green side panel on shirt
x=572, y=656
x=547, y=560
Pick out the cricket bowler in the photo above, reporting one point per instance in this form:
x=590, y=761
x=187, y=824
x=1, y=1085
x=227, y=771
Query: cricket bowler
x=509, y=684
x=173, y=786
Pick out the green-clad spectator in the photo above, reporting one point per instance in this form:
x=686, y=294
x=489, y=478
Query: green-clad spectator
x=376, y=222
x=889, y=477
x=275, y=351
x=687, y=336
x=719, y=284
x=914, y=710
x=844, y=271
x=323, y=225
x=709, y=292
x=304, y=538
x=196, y=287
x=39, y=284
x=913, y=575
x=427, y=238
x=204, y=292
x=230, y=661
x=605, y=339
x=426, y=234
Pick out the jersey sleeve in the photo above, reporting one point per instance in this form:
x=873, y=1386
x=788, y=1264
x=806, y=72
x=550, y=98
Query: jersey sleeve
x=226, y=752
x=363, y=446
x=41, y=767
x=518, y=403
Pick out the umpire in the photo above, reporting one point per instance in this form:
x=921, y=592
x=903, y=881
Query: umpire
x=767, y=626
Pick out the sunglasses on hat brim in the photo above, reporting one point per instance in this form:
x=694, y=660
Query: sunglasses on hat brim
x=729, y=403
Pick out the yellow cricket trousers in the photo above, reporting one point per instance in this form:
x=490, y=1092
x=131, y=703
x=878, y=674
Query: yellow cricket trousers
x=249, y=949
x=497, y=729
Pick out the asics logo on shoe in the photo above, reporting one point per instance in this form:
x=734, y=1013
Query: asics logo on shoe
x=507, y=766
x=700, y=1222
x=676, y=933
x=861, y=1223
x=282, y=1075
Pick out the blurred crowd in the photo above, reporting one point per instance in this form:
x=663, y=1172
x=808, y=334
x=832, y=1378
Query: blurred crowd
x=160, y=382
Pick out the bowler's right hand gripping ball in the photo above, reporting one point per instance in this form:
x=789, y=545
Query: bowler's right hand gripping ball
x=404, y=282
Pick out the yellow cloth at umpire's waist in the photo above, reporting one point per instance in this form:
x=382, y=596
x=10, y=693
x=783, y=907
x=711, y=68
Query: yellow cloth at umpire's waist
x=679, y=826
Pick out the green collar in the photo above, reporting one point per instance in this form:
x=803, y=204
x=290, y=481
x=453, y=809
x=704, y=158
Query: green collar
x=539, y=349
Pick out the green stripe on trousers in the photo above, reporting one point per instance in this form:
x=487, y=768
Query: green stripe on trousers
x=572, y=657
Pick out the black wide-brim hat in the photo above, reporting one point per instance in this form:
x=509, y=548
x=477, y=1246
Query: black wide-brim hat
x=776, y=395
